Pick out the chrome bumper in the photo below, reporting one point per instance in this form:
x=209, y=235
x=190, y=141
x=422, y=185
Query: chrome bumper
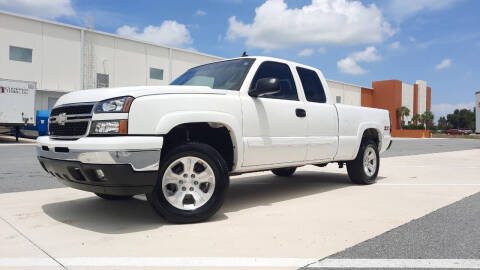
x=142, y=153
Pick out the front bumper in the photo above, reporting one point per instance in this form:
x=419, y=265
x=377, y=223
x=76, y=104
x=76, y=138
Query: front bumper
x=110, y=165
x=141, y=152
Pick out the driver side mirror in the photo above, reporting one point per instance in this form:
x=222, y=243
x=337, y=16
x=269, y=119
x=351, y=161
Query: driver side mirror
x=265, y=86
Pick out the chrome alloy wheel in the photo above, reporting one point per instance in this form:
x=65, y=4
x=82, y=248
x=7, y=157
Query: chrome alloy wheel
x=188, y=183
x=370, y=161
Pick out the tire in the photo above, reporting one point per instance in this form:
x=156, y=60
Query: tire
x=359, y=172
x=284, y=172
x=190, y=193
x=114, y=197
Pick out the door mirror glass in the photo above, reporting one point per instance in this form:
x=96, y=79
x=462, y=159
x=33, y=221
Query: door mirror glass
x=265, y=86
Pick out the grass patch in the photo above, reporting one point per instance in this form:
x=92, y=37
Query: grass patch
x=455, y=136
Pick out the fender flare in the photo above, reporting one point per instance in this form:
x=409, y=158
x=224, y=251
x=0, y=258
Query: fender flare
x=171, y=120
x=361, y=130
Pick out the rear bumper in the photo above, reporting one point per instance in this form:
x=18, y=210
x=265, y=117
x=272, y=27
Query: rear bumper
x=118, y=179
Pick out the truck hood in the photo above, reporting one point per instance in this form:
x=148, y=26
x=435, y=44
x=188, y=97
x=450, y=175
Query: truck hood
x=94, y=95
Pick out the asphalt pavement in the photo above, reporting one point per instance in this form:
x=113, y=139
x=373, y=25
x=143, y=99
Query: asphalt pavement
x=407, y=147
x=20, y=170
x=451, y=232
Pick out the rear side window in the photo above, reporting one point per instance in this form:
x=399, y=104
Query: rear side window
x=283, y=74
x=311, y=85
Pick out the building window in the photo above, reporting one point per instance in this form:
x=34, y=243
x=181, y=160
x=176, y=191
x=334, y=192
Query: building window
x=339, y=99
x=156, y=73
x=20, y=54
x=51, y=102
x=102, y=80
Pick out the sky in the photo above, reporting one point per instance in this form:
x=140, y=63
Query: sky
x=351, y=41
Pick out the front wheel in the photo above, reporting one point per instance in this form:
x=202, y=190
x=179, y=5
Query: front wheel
x=363, y=170
x=192, y=184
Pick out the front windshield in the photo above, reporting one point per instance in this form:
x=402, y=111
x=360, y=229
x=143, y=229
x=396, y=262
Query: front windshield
x=228, y=75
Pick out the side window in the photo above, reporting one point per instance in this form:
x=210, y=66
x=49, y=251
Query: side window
x=283, y=74
x=312, y=85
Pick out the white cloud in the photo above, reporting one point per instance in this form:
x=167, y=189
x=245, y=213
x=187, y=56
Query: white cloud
x=169, y=33
x=49, y=9
x=322, y=50
x=322, y=22
x=370, y=54
x=444, y=64
x=350, y=64
x=402, y=9
x=443, y=109
x=306, y=52
x=395, y=45
x=412, y=39
x=200, y=12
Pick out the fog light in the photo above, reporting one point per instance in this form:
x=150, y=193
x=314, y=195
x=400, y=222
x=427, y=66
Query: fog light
x=100, y=174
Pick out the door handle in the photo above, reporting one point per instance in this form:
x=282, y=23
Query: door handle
x=300, y=112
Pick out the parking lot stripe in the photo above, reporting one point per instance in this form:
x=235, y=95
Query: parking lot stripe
x=26, y=262
x=17, y=144
x=429, y=184
x=397, y=263
x=159, y=262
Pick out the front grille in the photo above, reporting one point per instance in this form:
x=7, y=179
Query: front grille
x=70, y=120
x=69, y=129
x=74, y=109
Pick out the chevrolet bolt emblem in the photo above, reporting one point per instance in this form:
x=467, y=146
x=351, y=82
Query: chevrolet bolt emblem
x=61, y=119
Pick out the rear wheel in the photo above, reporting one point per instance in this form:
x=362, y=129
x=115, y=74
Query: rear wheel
x=363, y=170
x=114, y=197
x=192, y=184
x=284, y=172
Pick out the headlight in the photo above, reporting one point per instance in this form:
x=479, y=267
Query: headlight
x=109, y=127
x=114, y=105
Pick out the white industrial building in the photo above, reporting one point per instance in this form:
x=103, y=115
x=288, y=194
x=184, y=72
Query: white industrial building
x=60, y=58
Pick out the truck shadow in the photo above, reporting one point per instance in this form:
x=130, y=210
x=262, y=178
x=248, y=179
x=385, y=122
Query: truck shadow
x=120, y=217
x=109, y=217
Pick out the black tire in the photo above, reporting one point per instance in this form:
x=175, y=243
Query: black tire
x=114, y=197
x=284, y=172
x=220, y=170
x=356, y=169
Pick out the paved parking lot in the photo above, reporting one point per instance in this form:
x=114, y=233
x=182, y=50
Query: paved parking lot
x=424, y=210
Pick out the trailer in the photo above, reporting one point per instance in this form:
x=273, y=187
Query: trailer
x=17, y=102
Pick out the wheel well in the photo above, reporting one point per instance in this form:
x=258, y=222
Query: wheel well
x=214, y=134
x=371, y=133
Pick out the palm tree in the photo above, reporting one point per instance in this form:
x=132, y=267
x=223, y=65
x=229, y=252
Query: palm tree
x=427, y=119
x=402, y=112
x=416, y=118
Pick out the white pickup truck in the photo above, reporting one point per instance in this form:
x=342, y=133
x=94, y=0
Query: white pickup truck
x=179, y=144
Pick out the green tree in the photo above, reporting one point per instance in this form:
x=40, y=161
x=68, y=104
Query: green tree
x=415, y=119
x=462, y=118
x=402, y=112
x=427, y=119
x=442, y=123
